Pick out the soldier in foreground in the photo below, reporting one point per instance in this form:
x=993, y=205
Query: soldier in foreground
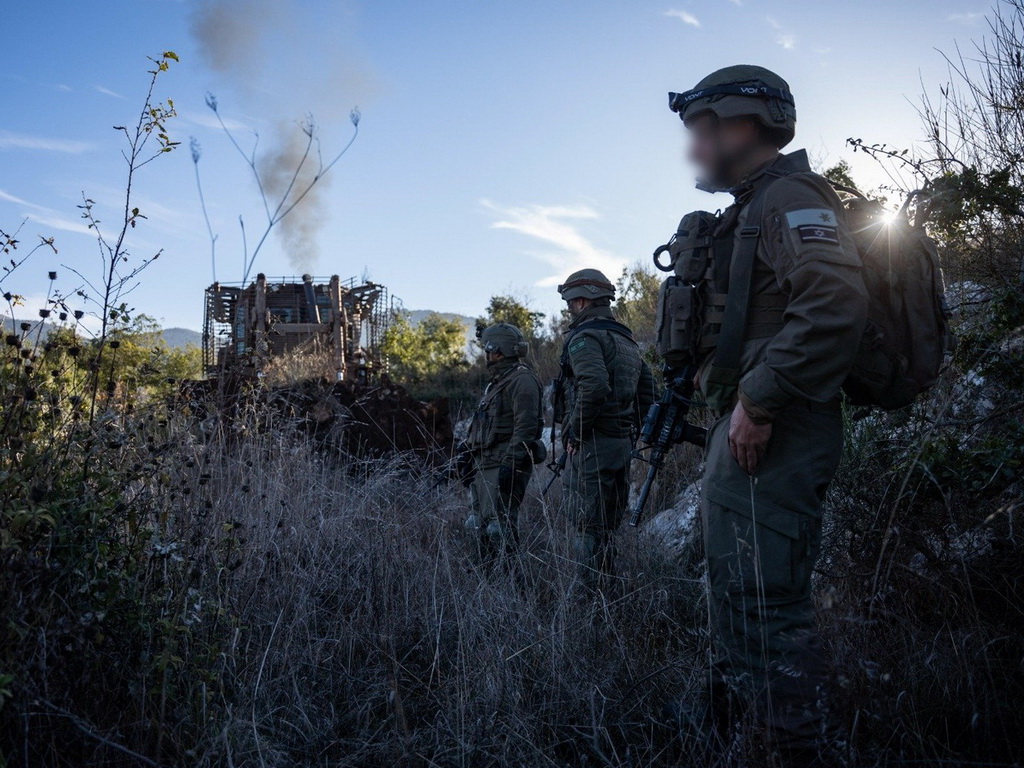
x=771, y=310
x=504, y=442
x=602, y=392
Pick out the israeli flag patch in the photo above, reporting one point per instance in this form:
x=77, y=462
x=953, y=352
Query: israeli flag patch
x=811, y=217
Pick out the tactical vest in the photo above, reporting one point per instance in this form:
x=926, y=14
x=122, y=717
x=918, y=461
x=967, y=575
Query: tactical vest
x=705, y=258
x=623, y=377
x=494, y=420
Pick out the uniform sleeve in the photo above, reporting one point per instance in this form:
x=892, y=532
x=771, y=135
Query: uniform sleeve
x=646, y=392
x=807, y=244
x=524, y=396
x=592, y=390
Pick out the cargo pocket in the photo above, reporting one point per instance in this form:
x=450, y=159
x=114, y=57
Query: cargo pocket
x=763, y=552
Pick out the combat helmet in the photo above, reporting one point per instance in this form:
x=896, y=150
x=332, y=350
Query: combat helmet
x=587, y=284
x=743, y=90
x=504, y=338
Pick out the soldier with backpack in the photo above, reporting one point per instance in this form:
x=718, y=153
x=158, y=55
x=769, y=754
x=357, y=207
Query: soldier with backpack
x=767, y=305
x=504, y=442
x=603, y=391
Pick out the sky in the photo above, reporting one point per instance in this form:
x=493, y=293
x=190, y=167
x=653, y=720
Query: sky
x=501, y=146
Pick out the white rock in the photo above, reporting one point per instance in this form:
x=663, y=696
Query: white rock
x=676, y=530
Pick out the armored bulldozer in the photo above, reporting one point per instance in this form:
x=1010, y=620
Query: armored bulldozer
x=247, y=327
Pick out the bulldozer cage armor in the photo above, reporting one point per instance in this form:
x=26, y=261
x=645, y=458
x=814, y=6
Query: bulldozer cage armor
x=247, y=325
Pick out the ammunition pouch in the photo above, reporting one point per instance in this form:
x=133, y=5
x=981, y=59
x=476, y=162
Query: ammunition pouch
x=679, y=321
x=683, y=295
x=538, y=451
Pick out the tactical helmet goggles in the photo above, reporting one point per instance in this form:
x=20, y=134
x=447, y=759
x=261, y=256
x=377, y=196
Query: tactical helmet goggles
x=678, y=102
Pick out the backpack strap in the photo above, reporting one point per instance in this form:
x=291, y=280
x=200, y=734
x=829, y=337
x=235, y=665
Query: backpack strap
x=724, y=376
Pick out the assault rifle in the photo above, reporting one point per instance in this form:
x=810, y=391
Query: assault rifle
x=664, y=427
x=556, y=468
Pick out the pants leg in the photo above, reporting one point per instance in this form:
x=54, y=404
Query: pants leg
x=496, y=510
x=597, y=493
x=762, y=537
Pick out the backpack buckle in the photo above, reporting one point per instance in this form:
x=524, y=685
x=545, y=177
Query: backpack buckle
x=750, y=231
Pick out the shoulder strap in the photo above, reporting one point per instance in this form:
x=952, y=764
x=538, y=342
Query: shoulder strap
x=724, y=375
x=600, y=324
x=495, y=387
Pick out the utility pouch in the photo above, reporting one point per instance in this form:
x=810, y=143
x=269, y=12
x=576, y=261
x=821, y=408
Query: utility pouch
x=682, y=297
x=538, y=451
x=679, y=320
x=689, y=251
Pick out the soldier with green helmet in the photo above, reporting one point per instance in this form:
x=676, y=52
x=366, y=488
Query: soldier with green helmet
x=504, y=440
x=775, y=306
x=603, y=391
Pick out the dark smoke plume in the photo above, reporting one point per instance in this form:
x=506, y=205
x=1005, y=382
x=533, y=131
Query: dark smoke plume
x=283, y=60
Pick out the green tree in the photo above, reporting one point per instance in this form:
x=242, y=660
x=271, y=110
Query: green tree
x=416, y=352
x=637, y=303
x=840, y=173
x=509, y=309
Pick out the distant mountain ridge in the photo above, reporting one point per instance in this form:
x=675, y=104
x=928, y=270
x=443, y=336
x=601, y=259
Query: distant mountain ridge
x=175, y=338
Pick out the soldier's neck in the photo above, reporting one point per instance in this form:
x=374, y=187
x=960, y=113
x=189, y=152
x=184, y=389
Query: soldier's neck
x=592, y=313
x=759, y=160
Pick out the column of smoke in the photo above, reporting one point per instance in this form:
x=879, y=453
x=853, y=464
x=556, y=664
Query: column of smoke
x=283, y=62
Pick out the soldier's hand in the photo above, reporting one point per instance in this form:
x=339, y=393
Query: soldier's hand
x=571, y=447
x=747, y=441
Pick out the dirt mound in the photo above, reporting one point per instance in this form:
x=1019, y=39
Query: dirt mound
x=361, y=421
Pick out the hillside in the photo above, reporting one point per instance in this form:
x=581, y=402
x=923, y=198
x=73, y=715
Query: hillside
x=175, y=338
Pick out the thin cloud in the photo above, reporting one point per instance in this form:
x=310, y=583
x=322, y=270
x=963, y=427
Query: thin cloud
x=10, y=140
x=209, y=120
x=968, y=18
x=47, y=217
x=684, y=16
x=555, y=226
x=63, y=88
x=108, y=92
x=784, y=37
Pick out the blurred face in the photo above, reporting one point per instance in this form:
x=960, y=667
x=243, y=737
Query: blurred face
x=719, y=149
x=494, y=357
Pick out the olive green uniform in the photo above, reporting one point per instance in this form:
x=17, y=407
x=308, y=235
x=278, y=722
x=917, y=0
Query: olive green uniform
x=503, y=436
x=610, y=388
x=763, y=533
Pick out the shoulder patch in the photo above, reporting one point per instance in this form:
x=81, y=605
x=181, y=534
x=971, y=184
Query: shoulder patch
x=577, y=344
x=809, y=233
x=817, y=217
